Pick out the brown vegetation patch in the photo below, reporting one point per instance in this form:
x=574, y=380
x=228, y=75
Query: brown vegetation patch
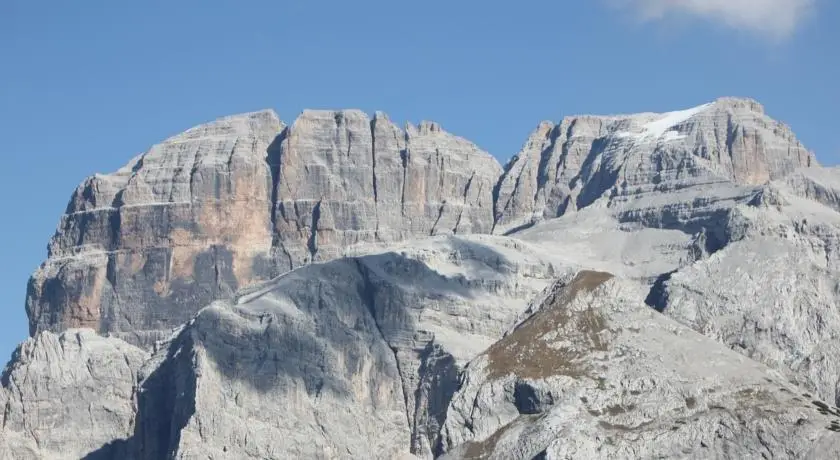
x=617, y=427
x=484, y=449
x=525, y=353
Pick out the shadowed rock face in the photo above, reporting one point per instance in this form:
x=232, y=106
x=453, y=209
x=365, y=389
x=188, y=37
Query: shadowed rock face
x=245, y=198
x=355, y=358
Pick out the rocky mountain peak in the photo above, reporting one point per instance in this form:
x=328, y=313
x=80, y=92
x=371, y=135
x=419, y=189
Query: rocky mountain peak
x=665, y=286
x=740, y=103
x=565, y=167
x=244, y=198
x=428, y=127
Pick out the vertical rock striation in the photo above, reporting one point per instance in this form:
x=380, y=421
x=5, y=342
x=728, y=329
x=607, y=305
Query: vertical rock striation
x=140, y=250
x=242, y=199
x=344, y=179
x=245, y=198
x=571, y=165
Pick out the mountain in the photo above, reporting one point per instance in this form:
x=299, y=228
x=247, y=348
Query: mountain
x=341, y=287
x=241, y=200
x=595, y=373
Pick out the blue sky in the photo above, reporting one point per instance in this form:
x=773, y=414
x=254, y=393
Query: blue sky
x=86, y=85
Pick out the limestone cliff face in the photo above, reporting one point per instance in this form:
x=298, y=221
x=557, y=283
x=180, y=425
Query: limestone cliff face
x=570, y=165
x=141, y=249
x=241, y=200
x=393, y=343
x=245, y=198
x=343, y=179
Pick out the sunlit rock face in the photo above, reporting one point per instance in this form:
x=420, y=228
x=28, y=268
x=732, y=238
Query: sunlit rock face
x=571, y=165
x=66, y=395
x=240, y=200
x=649, y=285
x=596, y=373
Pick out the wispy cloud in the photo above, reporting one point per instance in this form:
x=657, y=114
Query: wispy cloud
x=776, y=19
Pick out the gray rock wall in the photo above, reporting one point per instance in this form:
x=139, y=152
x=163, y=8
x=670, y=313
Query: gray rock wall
x=67, y=395
x=595, y=373
x=240, y=200
x=569, y=166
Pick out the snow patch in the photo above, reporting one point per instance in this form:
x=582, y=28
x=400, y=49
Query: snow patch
x=659, y=127
x=662, y=127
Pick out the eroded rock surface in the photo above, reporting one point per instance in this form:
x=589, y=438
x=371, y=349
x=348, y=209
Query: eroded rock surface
x=715, y=216
x=67, y=395
x=240, y=200
x=772, y=293
x=568, y=166
x=595, y=373
x=141, y=250
x=355, y=358
x=345, y=179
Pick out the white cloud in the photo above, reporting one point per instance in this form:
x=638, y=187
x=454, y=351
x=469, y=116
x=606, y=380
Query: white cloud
x=773, y=18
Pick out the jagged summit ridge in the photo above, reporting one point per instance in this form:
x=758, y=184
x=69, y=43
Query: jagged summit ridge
x=567, y=166
x=244, y=198
x=392, y=344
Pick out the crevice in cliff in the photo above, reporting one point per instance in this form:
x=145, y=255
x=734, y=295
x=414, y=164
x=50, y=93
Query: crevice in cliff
x=312, y=243
x=439, y=379
x=542, y=168
x=499, y=213
x=372, y=125
x=274, y=158
x=657, y=297
x=440, y=214
x=519, y=228
x=108, y=316
x=369, y=296
x=731, y=133
x=467, y=187
x=404, y=158
x=466, y=202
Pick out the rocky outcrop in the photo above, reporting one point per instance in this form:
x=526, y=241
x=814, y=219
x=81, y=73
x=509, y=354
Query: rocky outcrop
x=240, y=200
x=65, y=396
x=245, y=198
x=569, y=166
x=819, y=184
x=356, y=358
x=772, y=292
x=595, y=373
